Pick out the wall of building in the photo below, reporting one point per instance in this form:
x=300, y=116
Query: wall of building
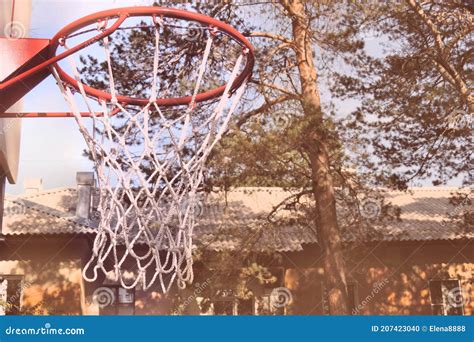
x=51, y=274
x=388, y=279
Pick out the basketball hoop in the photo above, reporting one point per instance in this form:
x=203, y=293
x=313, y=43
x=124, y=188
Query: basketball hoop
x=149, y=191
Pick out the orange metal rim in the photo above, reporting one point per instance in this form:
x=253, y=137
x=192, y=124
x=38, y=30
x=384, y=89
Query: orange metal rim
x=121, y=14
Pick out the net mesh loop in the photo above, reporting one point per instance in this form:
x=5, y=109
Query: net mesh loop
x=147, y=217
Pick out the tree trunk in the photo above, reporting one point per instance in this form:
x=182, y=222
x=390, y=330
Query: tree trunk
x=315, y=144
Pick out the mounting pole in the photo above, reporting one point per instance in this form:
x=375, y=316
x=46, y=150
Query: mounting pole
x=2, y=204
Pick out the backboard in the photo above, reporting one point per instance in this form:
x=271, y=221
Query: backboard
x=14, y=23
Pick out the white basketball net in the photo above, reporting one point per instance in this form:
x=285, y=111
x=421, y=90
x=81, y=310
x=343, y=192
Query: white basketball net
x=147, y=220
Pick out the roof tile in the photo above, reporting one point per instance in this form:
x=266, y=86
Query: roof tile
x=240, y=218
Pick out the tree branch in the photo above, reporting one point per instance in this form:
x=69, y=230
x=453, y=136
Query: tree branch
x=274, y=87
x=272, y=36
x=263, y=108
x=443, y=55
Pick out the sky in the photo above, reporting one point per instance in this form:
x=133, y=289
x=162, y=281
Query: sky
x=52, y=149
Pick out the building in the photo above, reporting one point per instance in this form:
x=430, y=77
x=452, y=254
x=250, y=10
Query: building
x=421, y=263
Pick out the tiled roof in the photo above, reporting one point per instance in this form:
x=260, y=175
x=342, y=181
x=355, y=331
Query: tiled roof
x=47, y=212
x=425, y=215
x=240, y=218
